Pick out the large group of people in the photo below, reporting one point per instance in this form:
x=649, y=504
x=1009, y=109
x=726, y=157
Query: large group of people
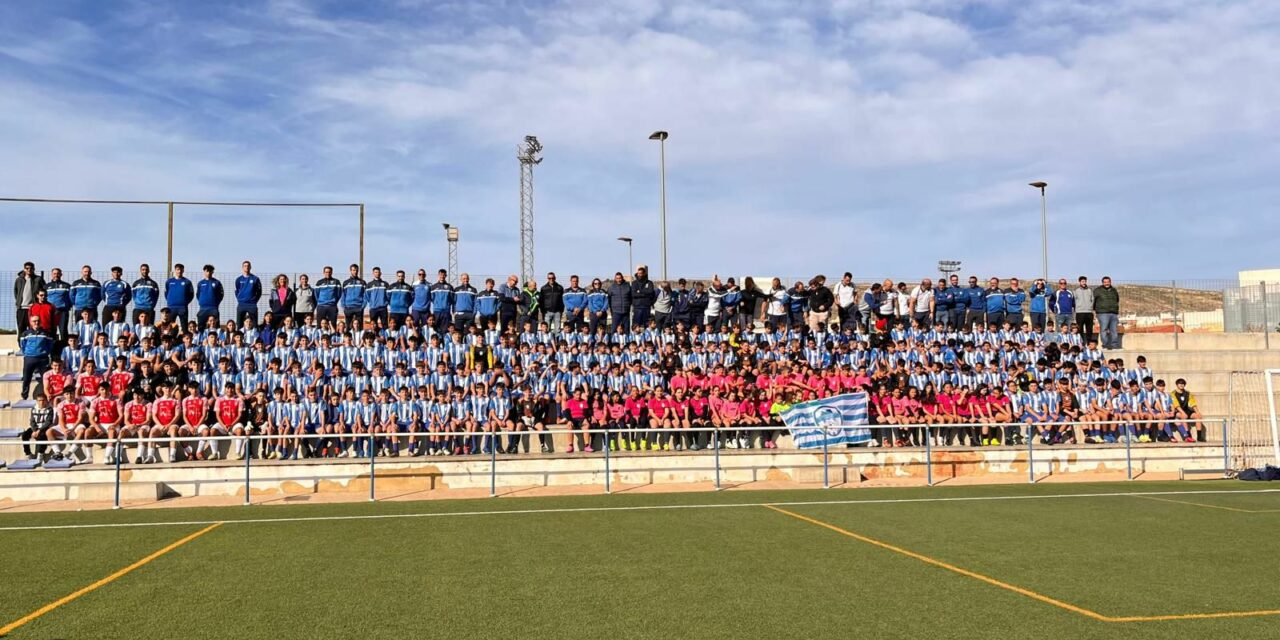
x=437, y=367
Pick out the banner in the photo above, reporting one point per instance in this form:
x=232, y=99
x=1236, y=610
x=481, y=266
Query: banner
x=838, y=420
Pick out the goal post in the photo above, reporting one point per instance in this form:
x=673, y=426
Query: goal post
x=1254, y=428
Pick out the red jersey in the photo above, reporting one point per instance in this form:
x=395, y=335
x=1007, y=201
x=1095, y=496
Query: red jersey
x=636, y=407
x=136, y=413
x=55, y=383
x=119, y=382
x=678, y=381
x=193, y=408
x=106, y=410
x=657, y=408
x=698, y=406
x=617, y=411
x=166, y=411
x=229, y=411
x=87, y=385
x=71, y=411
x=577, y=409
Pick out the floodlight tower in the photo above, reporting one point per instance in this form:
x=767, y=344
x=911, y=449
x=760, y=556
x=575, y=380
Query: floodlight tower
x=451, y=237
x=948, y=267
x=529, y=154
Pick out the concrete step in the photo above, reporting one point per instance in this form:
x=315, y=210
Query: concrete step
x=9, y=341
x=1200, y=341
x=10, y=364
x=1161, y=361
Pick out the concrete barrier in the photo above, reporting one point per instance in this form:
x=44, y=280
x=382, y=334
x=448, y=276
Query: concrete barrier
x=846, y=467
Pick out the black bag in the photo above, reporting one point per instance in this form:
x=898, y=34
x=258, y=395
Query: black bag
x=1269, y=473
x=1250, y=475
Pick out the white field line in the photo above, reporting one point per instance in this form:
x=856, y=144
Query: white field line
x=660, y=507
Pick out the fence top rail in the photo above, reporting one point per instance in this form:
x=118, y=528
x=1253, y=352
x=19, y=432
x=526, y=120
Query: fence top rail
x=188, y=202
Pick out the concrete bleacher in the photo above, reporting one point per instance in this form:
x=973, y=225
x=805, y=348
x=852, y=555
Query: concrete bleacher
x=1205, y=360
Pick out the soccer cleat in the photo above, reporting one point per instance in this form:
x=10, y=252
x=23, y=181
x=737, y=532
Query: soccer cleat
x=569, y=449
x=588, y=449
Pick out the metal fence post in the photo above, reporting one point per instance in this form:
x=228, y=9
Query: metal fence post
x=248, y=460
x=372, y=458
x=1226, y=464
x=1031, y=459
x=1128, y=455
x=493, y=466
x=608, y=488
x=826, y=483
x=117, y=447
x=1176, y=325
x=1266, y=319
x=715, y=446
x=928, y=454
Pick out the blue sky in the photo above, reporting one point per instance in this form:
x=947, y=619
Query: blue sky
x=862, y=135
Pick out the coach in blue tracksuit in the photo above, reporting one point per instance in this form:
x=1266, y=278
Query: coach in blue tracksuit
x=248, y=293
x=86, y=293
x=209, y=295
x=464, y=303
x=1063, y=305
x=421, y=309
x=399, y=299
x=597, y=305
x=1039, y=295
x=575, y=304
x=441, y=301
x=994, y=299
x=375, y=299
x=328, y=294
x=115, y=295
x=975, y=299
x=146, y=295
x=1015, y=299
x=178, y=294
x=353, y=297
x=36, y=344
x=58, y=293
x=944, y=301
x=488, y=302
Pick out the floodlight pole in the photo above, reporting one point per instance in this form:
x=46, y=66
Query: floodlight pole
x=1044, y=229
x=661, y=137
x=168, y=271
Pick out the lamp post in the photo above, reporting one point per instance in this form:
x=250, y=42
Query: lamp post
x=627, y=240
x=1044, y=229
x=661, y=137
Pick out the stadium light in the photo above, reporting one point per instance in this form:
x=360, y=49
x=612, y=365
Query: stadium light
x=661, y=137
x=1044, y=229
x=627, y=240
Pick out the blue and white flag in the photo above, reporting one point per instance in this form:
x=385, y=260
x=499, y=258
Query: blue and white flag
x=839, y=419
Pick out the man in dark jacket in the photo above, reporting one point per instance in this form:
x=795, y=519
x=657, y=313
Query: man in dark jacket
x=1106, y=304
x=551, y=301
x=620, y=300
x=643, y=295
x=820, y=302
x=25, y=288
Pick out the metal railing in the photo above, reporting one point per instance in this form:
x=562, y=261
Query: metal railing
x=716, y=440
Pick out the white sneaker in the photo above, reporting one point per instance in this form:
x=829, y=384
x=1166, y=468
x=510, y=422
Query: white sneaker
x=110, y=457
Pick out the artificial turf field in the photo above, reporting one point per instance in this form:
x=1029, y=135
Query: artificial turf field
x=1042, y=561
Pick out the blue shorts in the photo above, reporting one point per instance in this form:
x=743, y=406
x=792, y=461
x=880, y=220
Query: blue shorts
x=310, y=428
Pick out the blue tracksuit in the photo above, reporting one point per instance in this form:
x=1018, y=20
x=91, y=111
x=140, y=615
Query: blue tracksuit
x=178, y=293
x=209, y=294
x=421, y=296
x=375, y=294
x=146, y=293
x=487, y=302
x=441, y=297
x=1063, y=302
x=464, y=299
x=248, y=289
x=1038, y=300
x=597, y=301
x=976, y=298
x=575, y=300
x=58, y=293
x=328, y=292
x=1013, y=301
x=995, y=300
x=353, y=293
x=86, y=293
x=400, y=298
x=116, y=293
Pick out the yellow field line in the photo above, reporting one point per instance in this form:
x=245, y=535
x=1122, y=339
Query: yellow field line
x=9, y=628
x=1211, y=506
x=1020, y=590
x=949, y=567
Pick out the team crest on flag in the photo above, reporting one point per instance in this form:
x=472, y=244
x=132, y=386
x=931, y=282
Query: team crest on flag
x=836, y=420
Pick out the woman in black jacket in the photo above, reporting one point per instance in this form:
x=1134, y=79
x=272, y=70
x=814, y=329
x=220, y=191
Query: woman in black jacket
x=749, y=308
x=282, y=300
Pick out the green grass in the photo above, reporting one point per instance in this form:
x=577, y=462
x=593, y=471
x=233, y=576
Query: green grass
x=740, y=572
